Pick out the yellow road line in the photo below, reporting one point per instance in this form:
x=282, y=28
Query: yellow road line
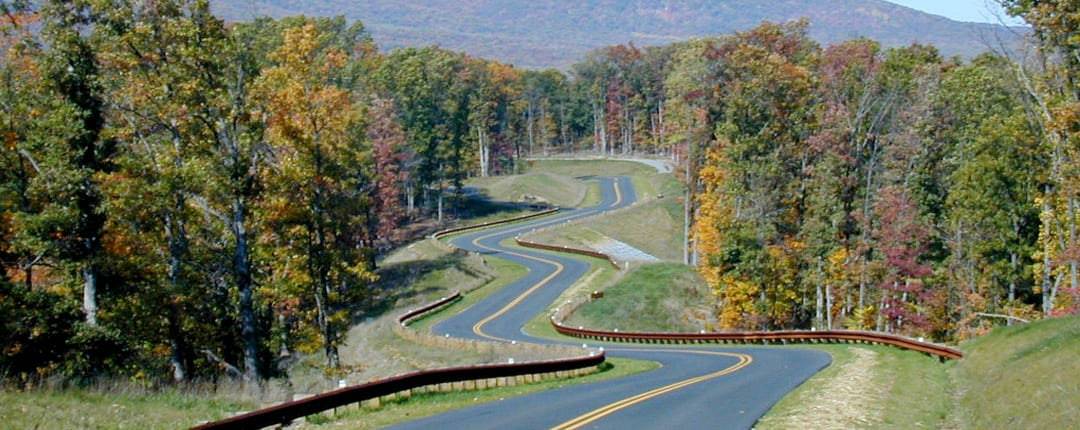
x=587, y=418
x=478, y=328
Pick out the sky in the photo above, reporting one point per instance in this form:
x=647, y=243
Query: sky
x=961, y=10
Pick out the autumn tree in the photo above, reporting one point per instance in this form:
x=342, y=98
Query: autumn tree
x=317, y=184
x=391, y=155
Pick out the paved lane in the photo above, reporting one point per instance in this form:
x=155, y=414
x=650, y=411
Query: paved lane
x=695, y=387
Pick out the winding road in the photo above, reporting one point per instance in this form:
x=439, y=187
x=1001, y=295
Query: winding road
x=695, y=387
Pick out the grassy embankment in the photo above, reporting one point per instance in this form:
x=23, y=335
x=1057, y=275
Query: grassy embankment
x=113, y=407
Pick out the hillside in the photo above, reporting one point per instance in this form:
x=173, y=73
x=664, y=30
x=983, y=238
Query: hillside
x=556, y=33
x=1024, y=376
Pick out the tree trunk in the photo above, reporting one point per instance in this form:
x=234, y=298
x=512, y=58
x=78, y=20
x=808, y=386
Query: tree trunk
x=242, y=277
x=440, y=204
x=482, y=152
x=660, y=122
x=177, y=242
x=529, y=126
x=828, y=306
x=686, y=227
x=1074, y=277
x=688, y=207
x=90, y=283
x=818, y=304
x=1047, y=304
x=881, y=311
x=410, y=198
x=176, y=344
x=1014, y=263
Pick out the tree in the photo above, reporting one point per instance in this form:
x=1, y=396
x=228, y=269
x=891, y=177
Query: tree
x=71, y=69
x=389, y=150
x=318, y=188
x=1055, y=92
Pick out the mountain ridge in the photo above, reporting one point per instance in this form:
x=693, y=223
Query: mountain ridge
x=556, y=33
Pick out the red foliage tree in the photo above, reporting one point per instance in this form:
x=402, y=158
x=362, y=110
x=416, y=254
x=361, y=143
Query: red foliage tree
x=389, y=150
x=902, y=238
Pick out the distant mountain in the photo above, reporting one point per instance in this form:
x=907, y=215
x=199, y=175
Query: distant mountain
x=556, y=33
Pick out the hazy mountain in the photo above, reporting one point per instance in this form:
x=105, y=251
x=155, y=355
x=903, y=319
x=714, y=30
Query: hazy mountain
x=555, y=33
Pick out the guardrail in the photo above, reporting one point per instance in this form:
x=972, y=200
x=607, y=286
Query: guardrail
x=781, y=336
x=569, y=250
x=764, y=337
x=489, y=375
x=439, y=234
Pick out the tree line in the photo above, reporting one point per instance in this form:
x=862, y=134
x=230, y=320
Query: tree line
x=851, y=186
x=183, y=198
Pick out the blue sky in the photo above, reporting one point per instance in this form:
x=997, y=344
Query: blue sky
x=960, y=10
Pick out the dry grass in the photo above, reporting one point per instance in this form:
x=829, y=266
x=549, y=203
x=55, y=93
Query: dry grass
x=846, y=398
x=867, y=387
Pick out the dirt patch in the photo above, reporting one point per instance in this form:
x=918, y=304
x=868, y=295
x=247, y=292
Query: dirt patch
x=849, y=399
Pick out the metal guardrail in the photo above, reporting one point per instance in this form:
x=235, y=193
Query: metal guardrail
x=439, y=234
x=286, y=412
x=569, y=250
x=780, y=336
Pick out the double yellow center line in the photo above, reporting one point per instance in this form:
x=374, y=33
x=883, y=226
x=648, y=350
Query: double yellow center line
x=585, y=419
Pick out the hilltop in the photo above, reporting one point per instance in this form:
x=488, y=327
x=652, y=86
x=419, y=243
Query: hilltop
x=556, y=33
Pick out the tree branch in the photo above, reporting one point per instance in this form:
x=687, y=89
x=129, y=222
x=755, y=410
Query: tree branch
x=232, y=371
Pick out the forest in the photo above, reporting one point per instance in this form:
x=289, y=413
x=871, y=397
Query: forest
x=183, y=198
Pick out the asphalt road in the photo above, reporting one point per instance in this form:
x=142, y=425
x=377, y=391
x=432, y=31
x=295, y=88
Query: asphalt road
x=726, y=388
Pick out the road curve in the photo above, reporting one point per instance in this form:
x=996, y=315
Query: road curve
x=695, y=387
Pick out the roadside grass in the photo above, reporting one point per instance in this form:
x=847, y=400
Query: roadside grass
x=1024, y=376
x=76, y=408
x=894, y=389
x=792, y=406
x=652, y=297
x=428, y=404
x=426, y=270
